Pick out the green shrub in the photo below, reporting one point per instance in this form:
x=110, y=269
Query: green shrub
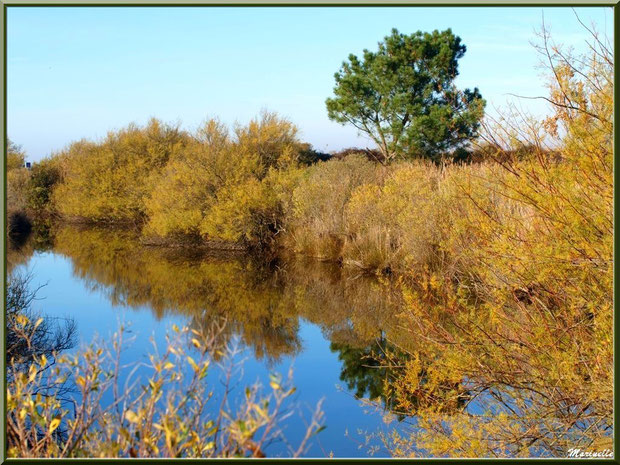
x=44, y=176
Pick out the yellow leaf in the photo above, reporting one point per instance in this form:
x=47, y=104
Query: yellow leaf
x=208, y=446
x=168, y=366
x=53, y=425
x=196, y=343
x=131, y=417
x=33, y=373
x=192, y=363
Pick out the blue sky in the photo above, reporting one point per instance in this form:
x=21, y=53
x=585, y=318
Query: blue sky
x=79, y=72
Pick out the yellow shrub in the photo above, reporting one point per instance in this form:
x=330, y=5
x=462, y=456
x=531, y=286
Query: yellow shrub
x=110, y=181
x=394, y=225
x=524, y=316
x=319, y=203
x=17, y=189
x=243, y=213
x=189, y=184
x=215, y=188
x=272, y=138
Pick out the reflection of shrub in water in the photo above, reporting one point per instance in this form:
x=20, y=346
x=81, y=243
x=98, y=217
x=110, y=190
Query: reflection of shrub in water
x=200, y=285
x=43, y=234
x=19, y=246
x=19, y=229
x=35, y=235
x=261, y=300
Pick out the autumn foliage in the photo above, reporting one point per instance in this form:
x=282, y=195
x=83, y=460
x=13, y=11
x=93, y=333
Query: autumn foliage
x=505, y=265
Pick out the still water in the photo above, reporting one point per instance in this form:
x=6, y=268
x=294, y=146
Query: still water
x=318, y=318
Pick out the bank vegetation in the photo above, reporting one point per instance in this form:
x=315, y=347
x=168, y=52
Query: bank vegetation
x=505, y=260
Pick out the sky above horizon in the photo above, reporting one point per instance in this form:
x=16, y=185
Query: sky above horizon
x=75, y=73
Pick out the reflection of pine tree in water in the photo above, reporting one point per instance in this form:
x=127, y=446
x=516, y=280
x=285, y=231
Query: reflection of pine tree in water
x=362, y=369
x=368, y=370
x=371, y=372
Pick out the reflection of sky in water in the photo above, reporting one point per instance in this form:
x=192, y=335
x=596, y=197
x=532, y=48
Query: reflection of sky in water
x=316, y=368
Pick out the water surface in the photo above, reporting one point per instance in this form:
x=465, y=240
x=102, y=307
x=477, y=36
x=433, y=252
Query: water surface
x=317, y=317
